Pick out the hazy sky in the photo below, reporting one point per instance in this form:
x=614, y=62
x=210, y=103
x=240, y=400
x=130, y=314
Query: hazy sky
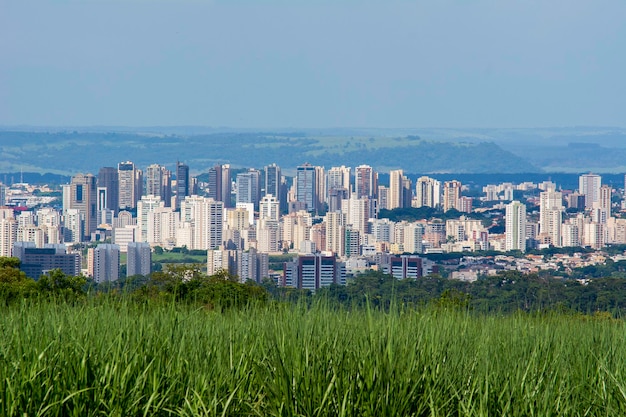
x=313, y=63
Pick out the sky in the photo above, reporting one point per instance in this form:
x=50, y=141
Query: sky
x=313, y=63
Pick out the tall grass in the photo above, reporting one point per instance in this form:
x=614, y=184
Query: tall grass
x=118, y=359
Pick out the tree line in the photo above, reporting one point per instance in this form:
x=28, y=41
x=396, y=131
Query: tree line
x=602, y=289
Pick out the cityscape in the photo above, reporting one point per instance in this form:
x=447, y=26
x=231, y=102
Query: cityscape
x=312, y=208
x=313, y=229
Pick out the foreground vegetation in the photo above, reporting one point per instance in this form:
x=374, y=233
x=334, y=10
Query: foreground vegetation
x=181, y=343
x=115, y=358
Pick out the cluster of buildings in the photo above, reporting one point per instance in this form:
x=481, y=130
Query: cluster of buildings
x=589, y=222
x=328, y=220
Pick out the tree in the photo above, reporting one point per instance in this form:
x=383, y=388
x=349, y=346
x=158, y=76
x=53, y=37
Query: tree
x=14, y=284
x=59, y=285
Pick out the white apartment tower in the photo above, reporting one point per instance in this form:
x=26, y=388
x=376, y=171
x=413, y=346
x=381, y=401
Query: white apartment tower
x=427, y=193
x=589, y=186
x=338, y=177
x=551, y=215
x=396, y=188
x=204, y=216
x=515, y=226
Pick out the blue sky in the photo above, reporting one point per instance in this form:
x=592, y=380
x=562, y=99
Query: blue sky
x=313, y=63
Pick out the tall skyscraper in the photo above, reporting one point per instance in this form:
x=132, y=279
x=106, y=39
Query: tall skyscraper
x=130, y=181
x=83, y=192
x=227, y=186
x=159, y=183
x=249, y=187
x=183, y=183
x=272, y=180
x=215, y=183
x=589, y=186
x=515, y=226
x=396, y=189
x=451, y=195
x=306, y=186
x=108, y=178
x=365, y=181
x=138, y=259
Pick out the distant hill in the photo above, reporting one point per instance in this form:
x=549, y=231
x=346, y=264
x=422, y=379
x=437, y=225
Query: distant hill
x=68, y=152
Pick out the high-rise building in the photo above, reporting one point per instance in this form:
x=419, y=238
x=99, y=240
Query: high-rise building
x=383, y=197
x=227, y=186
x=108, y=178
x=249, y=187
x=550, y=215
x=427, y=193
x=407, y=191
x=365, y=181
x=106, y=262
x=306, y=186
x=606, y=192
x=269, y=208
x=247, y=265
x=276, y=186
x=203, y=218
x=130, y=185
x=148, y=204
x=352, y=241
x=396, y=189
x=413, y=238
x=8, y=234
x=138, y=259
x=73, y=226
x=183, y=183
x=451, y=195
x=273, y=180
x=83, y=194
x=359, y=211
x=338, y=178
x=335, y=229
x=589, y=186
x=162, y=226
x=159, y=183
x=215, y=183
x=515, y=226
x=3, y=194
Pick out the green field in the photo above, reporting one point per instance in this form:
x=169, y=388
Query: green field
x=118, y=358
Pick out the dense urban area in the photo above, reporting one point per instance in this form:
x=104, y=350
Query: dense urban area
x=316, y=228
